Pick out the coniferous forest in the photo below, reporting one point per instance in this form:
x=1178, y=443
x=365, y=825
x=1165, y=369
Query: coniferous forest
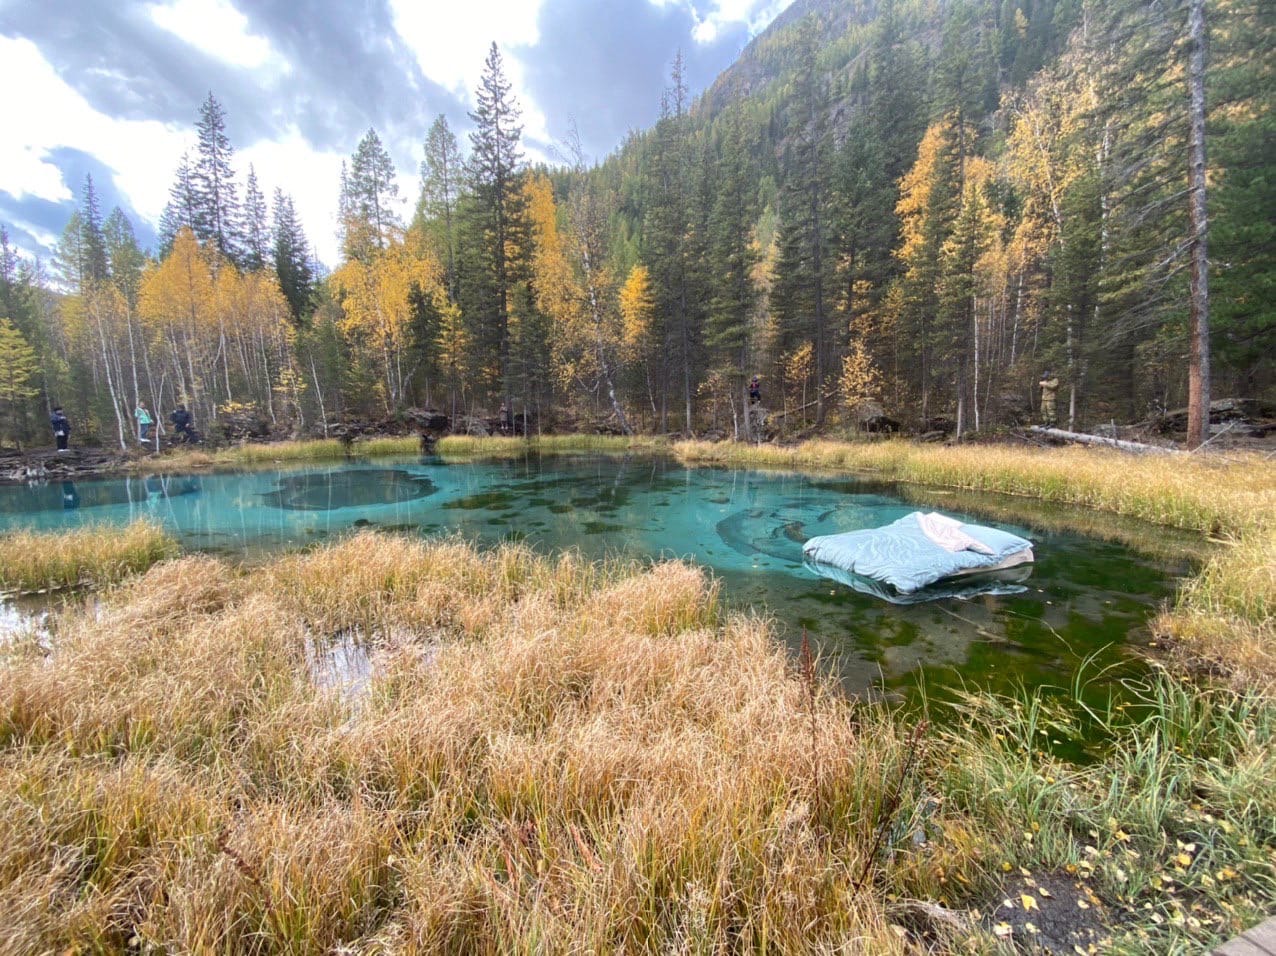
x=901, y=210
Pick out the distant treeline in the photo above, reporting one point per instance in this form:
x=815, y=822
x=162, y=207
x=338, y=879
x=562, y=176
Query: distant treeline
x=899, y=208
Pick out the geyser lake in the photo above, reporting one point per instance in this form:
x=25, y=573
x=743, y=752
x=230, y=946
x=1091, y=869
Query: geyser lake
x=1086, y=602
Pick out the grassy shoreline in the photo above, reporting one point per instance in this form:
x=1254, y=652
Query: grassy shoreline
x=555, y=755
x=92, y=556
x=330, y=449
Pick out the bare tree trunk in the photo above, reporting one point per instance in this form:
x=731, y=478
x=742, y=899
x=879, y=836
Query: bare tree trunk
x=1198, y=373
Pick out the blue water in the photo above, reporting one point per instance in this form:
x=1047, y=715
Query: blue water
x=1084, y=599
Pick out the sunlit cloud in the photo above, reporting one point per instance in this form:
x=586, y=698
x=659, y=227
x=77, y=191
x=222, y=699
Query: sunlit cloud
x=217, y=28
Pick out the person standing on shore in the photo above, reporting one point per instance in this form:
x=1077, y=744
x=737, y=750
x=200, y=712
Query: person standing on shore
x=61, y=427
x=1049, y=388
x=144, y=421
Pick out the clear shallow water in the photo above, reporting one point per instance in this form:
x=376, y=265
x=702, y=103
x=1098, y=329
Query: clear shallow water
x=1085, y=599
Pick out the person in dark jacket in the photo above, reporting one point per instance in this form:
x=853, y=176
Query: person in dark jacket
x=181, y=420
x=755, y=391
x=61, y=427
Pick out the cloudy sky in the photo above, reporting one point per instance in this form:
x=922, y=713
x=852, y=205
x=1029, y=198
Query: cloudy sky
x=113, y=88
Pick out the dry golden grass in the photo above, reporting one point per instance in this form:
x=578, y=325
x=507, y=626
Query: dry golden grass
x=1195, y=492
x=36, y=560
x=1225, y=617
x=551, y=756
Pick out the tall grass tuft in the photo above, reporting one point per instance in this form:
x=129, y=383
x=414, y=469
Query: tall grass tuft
x=39, y=560
x=1225, y=617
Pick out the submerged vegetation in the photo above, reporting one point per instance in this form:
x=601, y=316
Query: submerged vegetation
x=552, y=754
x=39, y=560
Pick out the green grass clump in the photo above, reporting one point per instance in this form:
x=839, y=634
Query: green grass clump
x=38, y=560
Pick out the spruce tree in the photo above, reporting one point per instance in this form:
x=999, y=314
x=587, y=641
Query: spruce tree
x=256, y=234
x=291, y=256
x=801, y=295
x=368, y=220
x=731, y=259
x=92, y=244
x=498, y=222
x=436, y=210
x=216, y=205
x=124, y=257
x=179, y=212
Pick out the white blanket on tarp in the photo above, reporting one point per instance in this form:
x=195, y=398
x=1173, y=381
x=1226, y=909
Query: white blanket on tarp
x=902, y=555
x=946, y=532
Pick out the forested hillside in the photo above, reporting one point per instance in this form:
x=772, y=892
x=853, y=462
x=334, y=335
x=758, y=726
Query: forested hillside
x=914, y=209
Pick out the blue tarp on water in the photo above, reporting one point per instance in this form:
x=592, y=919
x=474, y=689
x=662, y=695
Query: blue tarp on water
x=902, y=556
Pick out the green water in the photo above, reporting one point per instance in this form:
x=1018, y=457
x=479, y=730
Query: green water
x=1085, y=599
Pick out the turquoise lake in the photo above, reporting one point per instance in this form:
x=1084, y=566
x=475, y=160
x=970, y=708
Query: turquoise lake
x=1085, y=599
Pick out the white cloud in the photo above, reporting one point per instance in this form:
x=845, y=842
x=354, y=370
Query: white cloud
x=451, y=46
x=218, y=29
x=755, y=15
x=313, y=179
x=141, y=153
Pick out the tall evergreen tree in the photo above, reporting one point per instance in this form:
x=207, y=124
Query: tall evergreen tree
x=368, y=189
x=124, y=257
x=179, y=211
x=92, y=244
x=732, y=256
x=216, y=204
x=441, y=181
x=498, y=218
x=291, y=256
x=668, y=248
x=255, y=242
x=801, y=295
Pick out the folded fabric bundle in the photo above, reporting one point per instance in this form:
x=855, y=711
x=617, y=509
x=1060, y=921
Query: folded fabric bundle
x=906, y=557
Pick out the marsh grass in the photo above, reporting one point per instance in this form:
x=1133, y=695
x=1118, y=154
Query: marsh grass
x=557, y=755
x=1197, y=493
x=1225, y=617
x=42, y=560
x=469, y=446
x=262, y=454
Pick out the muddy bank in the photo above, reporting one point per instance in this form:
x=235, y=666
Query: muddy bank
x=46, y=464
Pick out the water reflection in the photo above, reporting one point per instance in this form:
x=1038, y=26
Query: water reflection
x=1085, y=597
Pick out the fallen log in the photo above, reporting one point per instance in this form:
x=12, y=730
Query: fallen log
x=1135, y=447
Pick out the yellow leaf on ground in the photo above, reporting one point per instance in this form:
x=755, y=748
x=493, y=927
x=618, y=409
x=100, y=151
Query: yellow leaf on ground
x=1029, y=902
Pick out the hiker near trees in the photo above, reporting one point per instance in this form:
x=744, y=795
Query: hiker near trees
x=144, y=421
x=61, y=427
x=182, y=425
x=1049, y=387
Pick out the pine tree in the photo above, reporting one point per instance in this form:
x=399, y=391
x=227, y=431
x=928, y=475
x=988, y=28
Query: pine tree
x=216, y=206
x=368, y=221
x=668, y=248
x=801, y=295
x=291, y=256
x=441, y=179
x=732, y=256
x=124, y=257
x=92, y=243
x=256, y=238
x=500, y=232
x=179, y=212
